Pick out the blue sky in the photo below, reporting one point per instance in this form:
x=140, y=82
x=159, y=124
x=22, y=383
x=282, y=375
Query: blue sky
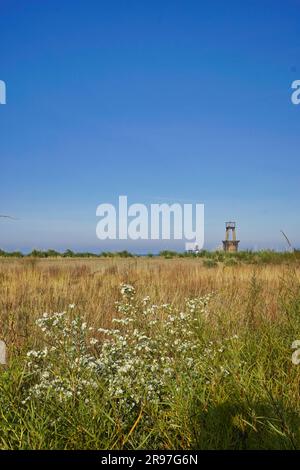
x=158, y=100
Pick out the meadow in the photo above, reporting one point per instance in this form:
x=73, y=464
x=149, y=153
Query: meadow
x=150, y=353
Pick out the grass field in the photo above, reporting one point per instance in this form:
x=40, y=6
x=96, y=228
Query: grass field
x=203, y=363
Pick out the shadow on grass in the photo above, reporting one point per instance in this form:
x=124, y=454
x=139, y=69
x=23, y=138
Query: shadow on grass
x=242, y=426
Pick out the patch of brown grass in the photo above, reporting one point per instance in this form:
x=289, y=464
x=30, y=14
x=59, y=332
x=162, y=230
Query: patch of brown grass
x=244, y=294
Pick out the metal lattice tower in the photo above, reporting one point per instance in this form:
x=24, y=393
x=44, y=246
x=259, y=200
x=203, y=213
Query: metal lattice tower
x=230, y=243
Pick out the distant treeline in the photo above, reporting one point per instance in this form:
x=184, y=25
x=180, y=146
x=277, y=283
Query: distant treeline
x=65, y=254
x=210, y=258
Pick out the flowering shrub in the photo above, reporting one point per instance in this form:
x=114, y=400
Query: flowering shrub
x=63, y=368
x=150, y=349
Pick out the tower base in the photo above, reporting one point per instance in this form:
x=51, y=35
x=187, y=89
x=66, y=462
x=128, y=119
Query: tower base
x=231, y=245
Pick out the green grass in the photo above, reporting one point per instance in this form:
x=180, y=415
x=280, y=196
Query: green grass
x=243, y=392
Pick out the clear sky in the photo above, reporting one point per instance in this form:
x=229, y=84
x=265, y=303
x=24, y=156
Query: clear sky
x=158, y=100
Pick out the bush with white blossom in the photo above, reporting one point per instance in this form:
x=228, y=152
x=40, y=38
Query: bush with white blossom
x=149, y=349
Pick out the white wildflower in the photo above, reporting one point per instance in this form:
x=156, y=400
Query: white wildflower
x=93, y=341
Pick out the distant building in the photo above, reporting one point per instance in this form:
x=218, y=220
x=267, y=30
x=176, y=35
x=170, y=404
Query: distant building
x=192, y=248
x=230, y=243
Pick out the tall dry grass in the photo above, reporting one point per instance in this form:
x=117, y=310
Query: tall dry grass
x=257, y=405
x=243, y=294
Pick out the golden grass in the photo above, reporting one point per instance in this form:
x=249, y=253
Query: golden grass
x=256, y=405
x=29, y=287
